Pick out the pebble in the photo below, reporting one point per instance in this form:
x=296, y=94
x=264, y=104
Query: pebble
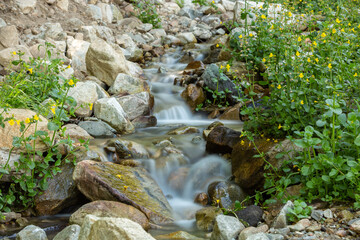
x=317, y=214
x=328, y=213
x=341, y=233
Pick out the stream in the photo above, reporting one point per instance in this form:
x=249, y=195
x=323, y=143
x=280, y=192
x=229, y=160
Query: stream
x=171, y=112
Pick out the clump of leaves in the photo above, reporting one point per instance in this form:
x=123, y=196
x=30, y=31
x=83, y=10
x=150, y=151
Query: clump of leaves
x=300, y=211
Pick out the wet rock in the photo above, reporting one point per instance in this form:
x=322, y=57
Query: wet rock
x=109, y=209
x=103, y=62
x=26, y=6
x=9, y=37
x=202, y=199
x=76, y=133
x=222, y=140
x=126, y=84
x=205, y=218
x=232, y=113
x=177, y=178
x=69, y=233
x=76, y=51
x=6, y=55
x=136, y=105
x=98, y=129
x=179, y=235
x=122, y=151
x=195, y=65
x=272, y=236
x=184, y=130
x=281, y=220
x=211, y=127
x=253, y=233
x=107, y=228
x=31, y=232
x=251, y=214
x=110, y=111
x=60, y=194
x=300, y=225
x=193, y=96
x=226, y=192
x=226, y=228
x=144, y=121
x=124, y=147
x=134, y=186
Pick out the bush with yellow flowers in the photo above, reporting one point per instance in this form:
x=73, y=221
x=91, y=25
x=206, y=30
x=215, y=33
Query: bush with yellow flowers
x=37, y=85
x=309, y=58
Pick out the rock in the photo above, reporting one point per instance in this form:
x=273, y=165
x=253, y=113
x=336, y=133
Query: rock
x=251, y=233
x=345, y=215
x=193, y=96
x=144, y=121
x=136, y=105
x=40, y=50
x=9, y=216
x=135, y=149
x=31, y=232
x=317, y=214
x=186, y=37
x=125, y=84
x=202, y=32
x=106, y=12
x=328, y=214
x=258, y=236
x=110, y=111
x=205, y=218
x=103, y=62
x=134, y=186
x=341, y=233
x=184, y=130
x=179, y=235
x=226, y=192
x=355, y=226
x=76, y=133
x=76, y=51
x=69, y=233
x=300, y=225
x=232, y=113
x=222, y=140
x=251, y=214
x=2, y=23
x=313, y=228
x=94, y=12
x=60, y=194
x=109, y=209
x=202, y=199
x=26, y=6
x=6, y=55
x=177, y=178
x=86, y=94
x=281, y=219
x=9, y=37
x=226, y=228
x=54, y=31
x=107, y=228
x=63, y=4
x=98, y=129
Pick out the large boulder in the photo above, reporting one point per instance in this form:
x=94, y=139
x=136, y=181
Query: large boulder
x=9, y=37
x=136, y=105
x=133, y=186
x=205, y=218
x=106, y=228
x=7, y=56
x=125, y=84
x=110, y=111
x=60, y=194
x=109, y=209
x=103, y=62
x=76, y=51
x=222, y=140
x=226, y=228
x=76, y=133
x=69, y=233
x=98, y=129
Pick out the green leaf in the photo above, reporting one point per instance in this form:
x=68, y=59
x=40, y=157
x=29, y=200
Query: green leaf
x=305, y=170
x=52, y=126
x=357, y=140
x=333, y=172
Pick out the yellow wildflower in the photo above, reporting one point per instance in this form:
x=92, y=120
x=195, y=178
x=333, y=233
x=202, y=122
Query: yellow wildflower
x=91, y=106
x=302, y=102
x=14, y=53
x=315, y=43
x=272, y=27
x=301, y=75
x=71, y=82
x=251, y=35
x=125, y=188
x=268, y=139
x=30, y=70
x=279, y=127
x=119, y=176
x=317, y=60
x=227, y=67
x=334, y=30
x=309, y=60
x=69, y=66
x=263, y=16
x=279, y=86
x=297, y=53
x=330, y=66
x=323, y=35
x=264, y=60
x=27, y=120
x=53, y=110
x=355, y=75
x=240, y=36
x=271, y=55
x=18, y=122
x=338, y=21
x=217, y=45
x=221, y=66
x=36, y=117
x=242, y=142
x=11, y=122
x=299, y=39
x=275, y=141
x=289, y=14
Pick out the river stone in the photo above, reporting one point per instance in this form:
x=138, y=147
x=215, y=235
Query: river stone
x=251, y=214
x=202, y=199
x=226, y=192
x=106, y=181
x=249, y=232
x=98, y=129
x=259, y=236
x=184, y=130
x=135, y=149
x=186, y=37
x=179, y=235
x=222, y=140
x=107, y=228
x=144, y=121
x=60, y=194
x=281, y=220
x=9, y=37
x=6, y=56
x=125, y=84
x=103, y=62
x=31, y=232
x=193, y=95
x=26, y=6
x=205, y=218
x=109, y=209
x=224, y=83
x=76, y=133
x=110, y=111
x=69, y=233
x=136, y=105
x=226, y=228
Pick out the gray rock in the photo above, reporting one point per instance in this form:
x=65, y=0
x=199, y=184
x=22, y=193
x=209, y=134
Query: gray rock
x=117, y=16
x=300, y=225
x=355, y=225
x=9, y=37
x=190, y=13
x=76, y=51
x=281, y=219
x=107, y=14
x=272, y=236
x=6, y=56
x=54, y=31
x=63, y=4
x=98, y=129
x=258, y=236
x=136, y=105
x=328, y=214
x=226, y=228
x=317, y=214
x=248, y=232
x=31, y=232
x=69, y=233
x=110, y=111
x=251, y=214
x=9, y=216
x=226, y=192
x=125, y=84
x=95, y=12
x=186, y=37
x=2, y=23
x=26, y=6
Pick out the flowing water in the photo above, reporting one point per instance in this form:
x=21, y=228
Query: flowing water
x=171, y=112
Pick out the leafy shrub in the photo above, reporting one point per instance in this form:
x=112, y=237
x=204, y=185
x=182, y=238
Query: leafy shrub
x=147, y=12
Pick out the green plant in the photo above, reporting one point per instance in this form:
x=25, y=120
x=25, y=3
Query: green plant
x=33, y=82
x=180, y=3
x=147, y=12
x=300, y=211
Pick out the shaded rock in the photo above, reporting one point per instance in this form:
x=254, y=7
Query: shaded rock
x=226, y=228
x=109, y=209
x=106, y=181
x=9, y=216
x=144, y=121
x=31, y=232
x=281, y=219
x=184, y=130
x=226, y=192
x=9, y=37
x=69, y=233
x=6, y=55
x=205, y=218
x=110, y=111
x=328, y=214
x=179, y=235
x=125, y=84
x=345, y=215
x=211, y=127
x=98, y=129
x=202, y=199
x=222, y=140
x=186, y=37
x=136, y=105
x=355, y=225
x=60, y=194
x=76, y=133
x=54, y=31
x=195, y=65
x=103, y=62
x=193, y=95
x=106, y=228
x=251, y=214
